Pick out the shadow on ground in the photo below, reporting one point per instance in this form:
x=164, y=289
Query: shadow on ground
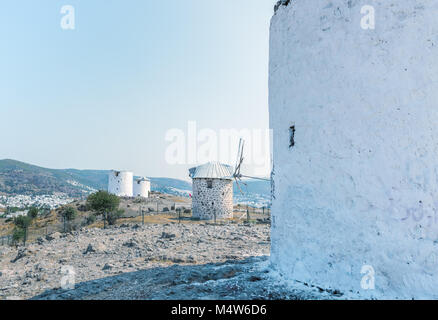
x=239, y=279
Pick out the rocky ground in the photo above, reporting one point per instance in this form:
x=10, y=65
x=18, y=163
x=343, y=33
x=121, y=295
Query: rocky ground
x=131, y=261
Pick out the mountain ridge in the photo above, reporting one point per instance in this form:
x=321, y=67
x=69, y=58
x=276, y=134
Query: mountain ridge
x=17, y=177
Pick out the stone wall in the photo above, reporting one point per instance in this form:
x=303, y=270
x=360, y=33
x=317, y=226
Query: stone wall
x=217, y=199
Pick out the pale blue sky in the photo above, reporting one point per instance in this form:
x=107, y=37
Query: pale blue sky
x=102, y=96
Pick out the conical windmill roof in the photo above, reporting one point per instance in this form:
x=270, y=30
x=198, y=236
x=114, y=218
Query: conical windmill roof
x=212, y=170
x=141, y=179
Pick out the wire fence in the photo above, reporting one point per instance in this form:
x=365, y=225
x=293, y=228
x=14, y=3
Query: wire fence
x=142, y=214
x=6, y=240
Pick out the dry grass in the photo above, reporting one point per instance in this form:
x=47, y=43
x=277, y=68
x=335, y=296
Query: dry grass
x=52, y=222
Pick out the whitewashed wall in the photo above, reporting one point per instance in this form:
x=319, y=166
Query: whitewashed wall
x=142, y=188
x=360, y=185
x=120, y=183
x=218, y=200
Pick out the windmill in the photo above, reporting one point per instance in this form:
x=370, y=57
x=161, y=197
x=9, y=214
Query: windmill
x=237, y=175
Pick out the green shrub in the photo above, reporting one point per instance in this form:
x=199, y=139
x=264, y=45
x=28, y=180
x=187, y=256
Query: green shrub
x=18, y=235
x=90, y=219
x=106, y=204
x=102, y=201
x=22, y=222
x=69, y=213
x=33, y=212
x=112, y=217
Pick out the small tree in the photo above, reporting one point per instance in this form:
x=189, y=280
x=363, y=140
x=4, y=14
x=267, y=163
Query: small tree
x=33, y=212
x=18, y=235
x=22, y=223
x=68, y=214
x=106, y=204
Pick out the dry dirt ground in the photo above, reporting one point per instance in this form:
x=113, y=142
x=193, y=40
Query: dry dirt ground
x=164, y=258
x=151, y=261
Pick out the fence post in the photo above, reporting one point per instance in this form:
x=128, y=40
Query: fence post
x=142, y=216
x=247, y=213
x=25, y=236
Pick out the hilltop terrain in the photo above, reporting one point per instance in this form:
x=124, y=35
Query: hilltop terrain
x=154, y=261
x=126, y=249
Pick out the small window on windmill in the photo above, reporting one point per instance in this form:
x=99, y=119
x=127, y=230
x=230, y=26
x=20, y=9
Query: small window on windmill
x=292, y=136
x=209, y=184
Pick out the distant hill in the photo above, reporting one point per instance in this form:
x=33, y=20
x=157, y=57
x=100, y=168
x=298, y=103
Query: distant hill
x=22, y=178
x=171, y=186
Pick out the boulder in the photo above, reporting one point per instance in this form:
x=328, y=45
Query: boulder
x=168, y=236
x=20, y=254
x=131, y=243
x=53, y=236
x=89, y=249
x=98, y=247
x=107, y=266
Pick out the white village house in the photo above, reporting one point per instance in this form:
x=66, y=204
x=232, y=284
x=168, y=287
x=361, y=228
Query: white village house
x=212, y=191
x=354, y=114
